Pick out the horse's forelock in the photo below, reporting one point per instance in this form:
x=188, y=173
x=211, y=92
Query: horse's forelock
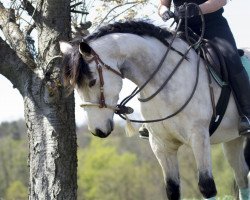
x=75, y=69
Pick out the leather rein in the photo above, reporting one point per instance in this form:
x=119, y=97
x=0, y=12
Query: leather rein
x=121, y=109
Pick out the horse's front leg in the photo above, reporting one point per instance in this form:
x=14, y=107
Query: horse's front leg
x=200, y=144
x=167, y=157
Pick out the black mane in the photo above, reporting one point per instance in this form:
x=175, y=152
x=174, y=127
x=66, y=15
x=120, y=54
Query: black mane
x=140, y=28
x=75, y=69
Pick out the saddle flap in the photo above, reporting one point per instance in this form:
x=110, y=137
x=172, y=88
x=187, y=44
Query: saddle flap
x=212, y=58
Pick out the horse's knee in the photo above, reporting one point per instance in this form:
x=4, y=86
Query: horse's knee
x=173, y=190
x=207, y=185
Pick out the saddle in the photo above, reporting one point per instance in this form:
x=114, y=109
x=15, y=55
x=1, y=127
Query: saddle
x=217, y=69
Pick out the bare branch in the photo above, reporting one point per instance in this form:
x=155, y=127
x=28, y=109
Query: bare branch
x=14, y=35
x=114, y=8
x=80, y=12
x=11, y=66
x=75, y=5
x=30, y=9
x=30, y=28
x=122, y=12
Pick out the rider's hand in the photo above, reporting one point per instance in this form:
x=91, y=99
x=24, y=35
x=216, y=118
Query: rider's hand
x=165, y=13
x=192, y=10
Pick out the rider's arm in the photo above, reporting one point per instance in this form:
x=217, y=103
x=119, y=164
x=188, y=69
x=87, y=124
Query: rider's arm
x=166, y=3
x=207, y=7
x=163, y=6
x=212, y=5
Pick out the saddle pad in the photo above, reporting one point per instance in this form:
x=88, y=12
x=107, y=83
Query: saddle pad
x=246, y=63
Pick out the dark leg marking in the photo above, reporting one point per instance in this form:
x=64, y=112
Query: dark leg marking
x=173, y=190
x=206, y=185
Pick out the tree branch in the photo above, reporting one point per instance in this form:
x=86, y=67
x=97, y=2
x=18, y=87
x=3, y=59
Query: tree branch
x=12, y=67
x=114, y=8
x=15, y=36
x=122, y=12
x=32, y=11
x=80, y=12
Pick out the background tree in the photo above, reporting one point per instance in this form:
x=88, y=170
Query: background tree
x=33, y=67
x=49, y=113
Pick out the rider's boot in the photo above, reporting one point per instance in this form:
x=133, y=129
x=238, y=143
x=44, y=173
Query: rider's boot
x=241, y=87
x=143, y=132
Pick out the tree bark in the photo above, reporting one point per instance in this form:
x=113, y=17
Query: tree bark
x=52, y=141
x=49, y=113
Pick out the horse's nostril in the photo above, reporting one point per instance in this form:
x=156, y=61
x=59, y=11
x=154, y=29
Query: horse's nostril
x=100, y=134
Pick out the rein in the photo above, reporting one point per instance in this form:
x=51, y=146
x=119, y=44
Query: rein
x=195, y=45
x=123, y=110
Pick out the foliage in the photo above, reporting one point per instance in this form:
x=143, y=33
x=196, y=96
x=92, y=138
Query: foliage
x=13, y=160
x=105, y=174
x=16, y=191
x=223, y=173
x=114, y=168
x=14, y=129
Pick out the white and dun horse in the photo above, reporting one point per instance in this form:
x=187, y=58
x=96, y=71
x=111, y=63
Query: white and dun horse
x=134, y=50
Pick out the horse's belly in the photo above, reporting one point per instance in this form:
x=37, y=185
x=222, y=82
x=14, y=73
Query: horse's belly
x=224, y=136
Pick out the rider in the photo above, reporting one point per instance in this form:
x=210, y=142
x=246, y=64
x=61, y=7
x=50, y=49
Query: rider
x=217, y=31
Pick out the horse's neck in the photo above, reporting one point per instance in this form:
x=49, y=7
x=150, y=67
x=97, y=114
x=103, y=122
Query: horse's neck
x=143, y=55
x=137, y=57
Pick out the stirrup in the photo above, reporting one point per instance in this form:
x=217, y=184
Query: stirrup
x=244, y=126
x=245, y=133
x=143, y=133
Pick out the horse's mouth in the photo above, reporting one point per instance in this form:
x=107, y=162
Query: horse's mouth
x=103, y=134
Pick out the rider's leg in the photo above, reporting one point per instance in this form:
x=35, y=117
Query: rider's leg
x=241, y=87
x=222, y=37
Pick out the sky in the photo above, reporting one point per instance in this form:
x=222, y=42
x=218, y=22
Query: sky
x=237, y=13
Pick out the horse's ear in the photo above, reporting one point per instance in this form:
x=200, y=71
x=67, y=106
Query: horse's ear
x=84, y=49
x=65, y=47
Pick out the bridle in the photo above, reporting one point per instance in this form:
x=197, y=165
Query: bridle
x=123, y=110
x=100, y=65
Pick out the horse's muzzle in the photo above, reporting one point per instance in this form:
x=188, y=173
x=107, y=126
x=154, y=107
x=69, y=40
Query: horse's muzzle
x=102, y=134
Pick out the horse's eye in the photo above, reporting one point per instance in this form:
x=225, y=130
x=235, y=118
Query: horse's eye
x=92, y=83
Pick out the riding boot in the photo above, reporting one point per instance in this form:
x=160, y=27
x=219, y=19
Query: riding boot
x=241, y=87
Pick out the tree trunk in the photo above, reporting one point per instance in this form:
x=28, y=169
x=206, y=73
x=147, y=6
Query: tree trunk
x=52, y=144
x=49, y=113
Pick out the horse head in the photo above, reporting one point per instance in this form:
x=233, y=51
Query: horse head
x=97, y=84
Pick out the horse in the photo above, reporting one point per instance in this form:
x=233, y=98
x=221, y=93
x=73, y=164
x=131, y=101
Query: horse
x=95, y=66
